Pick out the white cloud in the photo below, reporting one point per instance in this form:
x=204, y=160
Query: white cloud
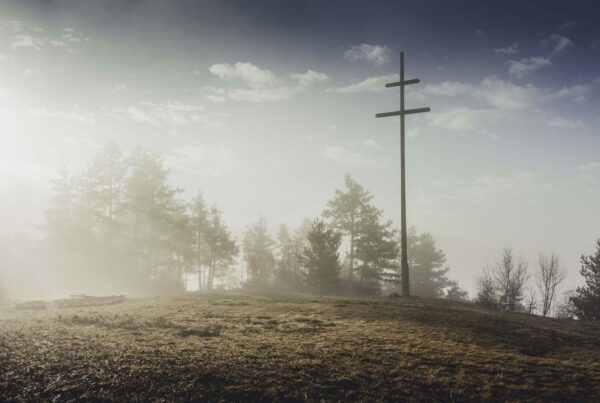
x=371, y=143
x=371, y=84
x=512, y=49
x=348, y=156
x=559, y=42
x=374, y=54
x=168, y=113
x=71, y=115
x=261, y=85
x=254, y=76
x=562, y=123
x=255, y=95
x=203, y=161
x=28, y=73
x=309, y=78
x=505, y=95
x=590, y=171
x=67, y=40
x=460, y=119
x=524, y=67
x=28, y=41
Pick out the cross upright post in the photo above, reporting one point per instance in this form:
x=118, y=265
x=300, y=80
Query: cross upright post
x=402, y=112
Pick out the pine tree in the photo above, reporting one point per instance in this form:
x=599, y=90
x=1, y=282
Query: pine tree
x=376, y=250
x=221, y=249
x=258, y=254
x=345, y=212
x=321, y=258
x=427, y=272
x=199, y=224
x=151, y=205
x=586, y=301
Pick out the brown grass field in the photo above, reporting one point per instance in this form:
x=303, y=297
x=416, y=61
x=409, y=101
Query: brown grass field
x=294, y=348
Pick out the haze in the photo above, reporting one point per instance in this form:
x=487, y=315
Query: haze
x=265, y=108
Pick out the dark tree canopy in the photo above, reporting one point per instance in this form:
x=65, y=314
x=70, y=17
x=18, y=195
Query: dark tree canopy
x=321, y=258
x=586, y=301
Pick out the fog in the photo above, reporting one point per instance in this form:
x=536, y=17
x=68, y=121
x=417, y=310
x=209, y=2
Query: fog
x=264, y=116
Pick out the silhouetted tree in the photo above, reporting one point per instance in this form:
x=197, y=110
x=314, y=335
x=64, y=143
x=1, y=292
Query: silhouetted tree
x=321, y=258
x=586, y=301
x=550, y=273
x=486, y=293
x=503, y=285
x=258, y=254
x=454, y=292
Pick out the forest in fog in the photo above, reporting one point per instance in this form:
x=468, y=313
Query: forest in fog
x=119, y=226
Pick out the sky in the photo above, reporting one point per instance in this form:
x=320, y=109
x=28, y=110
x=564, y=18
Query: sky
x=263, y=106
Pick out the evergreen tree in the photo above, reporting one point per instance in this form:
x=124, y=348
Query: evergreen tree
x=376, y=251
x=454, y=292
x=102, y=187
x=258, y=254
x=586, y=301
x=221, y=249
x=321, y=258
x=199, y=225
x=345, y=212
x=152, y=206
x=427, y=272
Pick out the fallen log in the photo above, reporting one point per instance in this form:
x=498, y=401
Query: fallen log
x=82, y=300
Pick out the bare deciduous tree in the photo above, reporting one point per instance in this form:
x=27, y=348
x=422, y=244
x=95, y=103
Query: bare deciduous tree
x=550, y=273
x=510, y=278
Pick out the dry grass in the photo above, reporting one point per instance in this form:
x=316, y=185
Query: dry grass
x=263, y=348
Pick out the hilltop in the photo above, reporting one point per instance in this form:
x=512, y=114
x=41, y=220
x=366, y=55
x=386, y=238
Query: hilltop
x=275, y=347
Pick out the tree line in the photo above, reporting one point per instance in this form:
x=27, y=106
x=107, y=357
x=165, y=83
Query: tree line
x=120, y=221
x=508, y=285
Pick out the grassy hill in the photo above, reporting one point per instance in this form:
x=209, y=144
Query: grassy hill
x=262, y=347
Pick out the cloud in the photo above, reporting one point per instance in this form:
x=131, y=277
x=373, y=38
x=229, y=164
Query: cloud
x=348, y=156
x=562, y=123
x=68, y=39
x=371, y=143
x=309, y=78
x=74, y=116
x=505, y=95
x=28, y=73
x=260, y=85
x=526, y=66
x=590, y=171
x=168, y=113
x=254, y=76
x=255, y=95
x=371, y=84
x=461, y=119
x=559, y=42
x=28, y=41
x=512, y=49
x=203, y=161
x=374, y=54
x=483, y=189
x=498, y=101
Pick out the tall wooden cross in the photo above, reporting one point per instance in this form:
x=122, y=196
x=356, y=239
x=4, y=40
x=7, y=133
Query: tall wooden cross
x=402, y=112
